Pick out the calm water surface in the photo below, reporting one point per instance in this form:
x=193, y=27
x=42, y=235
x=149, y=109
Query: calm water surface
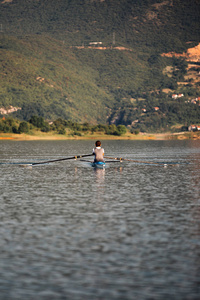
x=131, y=231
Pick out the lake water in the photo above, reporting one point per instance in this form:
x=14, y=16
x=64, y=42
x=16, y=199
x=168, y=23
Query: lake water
x=131, y=231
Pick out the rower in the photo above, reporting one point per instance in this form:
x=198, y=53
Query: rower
x=98, y=152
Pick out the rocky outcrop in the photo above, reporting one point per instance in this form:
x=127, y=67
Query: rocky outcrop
x=10, y=109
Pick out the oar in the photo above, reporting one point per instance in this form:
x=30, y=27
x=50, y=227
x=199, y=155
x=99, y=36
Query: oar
x=139, y=161
x=60, y=159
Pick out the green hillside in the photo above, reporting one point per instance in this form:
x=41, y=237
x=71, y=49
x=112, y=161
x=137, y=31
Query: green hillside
x=39, y=75
x=49, y=68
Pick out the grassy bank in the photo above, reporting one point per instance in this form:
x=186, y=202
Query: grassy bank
x=100, y=136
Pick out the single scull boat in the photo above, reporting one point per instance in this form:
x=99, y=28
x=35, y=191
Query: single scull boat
x=98, y=164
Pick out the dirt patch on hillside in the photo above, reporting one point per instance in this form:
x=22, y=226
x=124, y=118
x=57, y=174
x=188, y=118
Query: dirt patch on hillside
x=192, y=54
x=193, y=70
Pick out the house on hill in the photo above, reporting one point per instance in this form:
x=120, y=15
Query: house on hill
x=175, y=96
x=180, y=95
x=193, y=128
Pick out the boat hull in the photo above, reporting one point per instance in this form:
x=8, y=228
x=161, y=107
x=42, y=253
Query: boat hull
x=98, y=165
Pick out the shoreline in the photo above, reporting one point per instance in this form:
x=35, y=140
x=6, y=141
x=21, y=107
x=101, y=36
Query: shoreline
x=128, y=136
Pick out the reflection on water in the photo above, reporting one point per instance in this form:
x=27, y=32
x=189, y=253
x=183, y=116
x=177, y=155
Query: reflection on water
x=99, y=175
x=129, y=231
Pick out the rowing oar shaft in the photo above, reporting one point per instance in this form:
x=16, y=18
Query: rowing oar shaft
x=60, y=159
x=136, y=161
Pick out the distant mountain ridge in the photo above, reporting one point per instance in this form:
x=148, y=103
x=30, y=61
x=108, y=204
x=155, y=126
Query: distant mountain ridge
x=88, y=20
x=55, y=40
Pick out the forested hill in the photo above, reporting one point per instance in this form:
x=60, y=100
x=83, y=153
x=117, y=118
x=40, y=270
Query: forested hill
x=96, y=60
x=164, y=25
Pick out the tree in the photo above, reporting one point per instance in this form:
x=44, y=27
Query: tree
x=62, y=130
x=121, y=129
x=37, y=121
x=46, y=127
x=111, y=129
x=23, y=127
